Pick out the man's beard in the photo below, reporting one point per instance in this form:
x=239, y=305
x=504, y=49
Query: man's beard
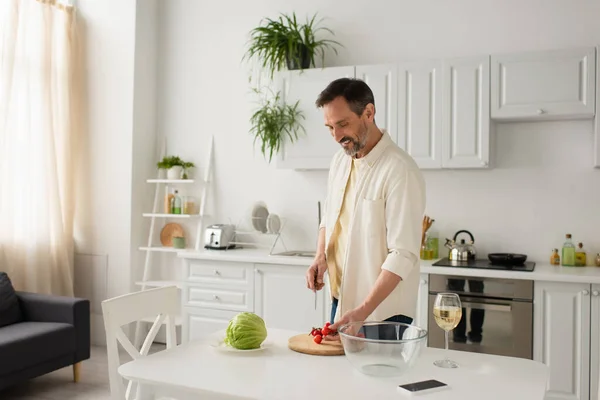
x=356, y=145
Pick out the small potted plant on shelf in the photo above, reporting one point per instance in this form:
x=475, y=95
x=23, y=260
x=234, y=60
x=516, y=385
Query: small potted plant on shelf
x=175, y=167
x=273, y=122
x=284, y=41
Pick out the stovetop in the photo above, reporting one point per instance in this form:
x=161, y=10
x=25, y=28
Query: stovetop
x=528, y=266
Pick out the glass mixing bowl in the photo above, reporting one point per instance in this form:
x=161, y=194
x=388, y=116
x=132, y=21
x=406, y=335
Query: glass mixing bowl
x=382, y=348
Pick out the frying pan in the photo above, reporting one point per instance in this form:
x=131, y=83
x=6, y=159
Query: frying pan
x=507, y=258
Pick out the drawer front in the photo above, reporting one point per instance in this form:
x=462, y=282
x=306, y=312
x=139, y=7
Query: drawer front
x=200, y=323
x=220, y=299
x=219, y=273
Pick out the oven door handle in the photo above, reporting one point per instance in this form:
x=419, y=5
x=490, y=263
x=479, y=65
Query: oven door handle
x=487, y=306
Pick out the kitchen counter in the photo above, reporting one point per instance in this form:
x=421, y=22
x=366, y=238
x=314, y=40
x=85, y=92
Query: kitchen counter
x=542, y=271
x=259, y=256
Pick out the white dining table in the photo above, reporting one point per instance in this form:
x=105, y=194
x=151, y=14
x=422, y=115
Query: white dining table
x=202, y=370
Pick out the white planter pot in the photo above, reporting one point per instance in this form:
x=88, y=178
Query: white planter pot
x=174, y=172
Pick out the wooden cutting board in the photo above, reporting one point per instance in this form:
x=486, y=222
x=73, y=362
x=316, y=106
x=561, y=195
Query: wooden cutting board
x=304, y=344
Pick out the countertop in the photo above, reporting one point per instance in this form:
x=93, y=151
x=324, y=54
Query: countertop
x=199, y=368
x=541, y=272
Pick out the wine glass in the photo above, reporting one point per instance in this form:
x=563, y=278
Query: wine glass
x=447, y=312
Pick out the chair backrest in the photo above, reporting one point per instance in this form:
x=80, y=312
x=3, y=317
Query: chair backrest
x=162, y=303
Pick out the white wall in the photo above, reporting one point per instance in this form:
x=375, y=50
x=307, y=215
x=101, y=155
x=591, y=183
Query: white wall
x=542, y=187
x=119, y=56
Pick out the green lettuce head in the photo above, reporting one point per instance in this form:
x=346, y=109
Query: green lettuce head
x=245, y=331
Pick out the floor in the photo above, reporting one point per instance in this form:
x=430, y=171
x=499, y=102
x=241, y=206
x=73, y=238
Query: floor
x=59, y=385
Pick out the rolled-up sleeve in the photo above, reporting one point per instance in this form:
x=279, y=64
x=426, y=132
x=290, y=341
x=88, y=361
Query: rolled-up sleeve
x=404, y=210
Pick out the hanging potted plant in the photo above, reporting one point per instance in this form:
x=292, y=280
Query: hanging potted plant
x=285, y=42
x=175, y=166
x=274, y=122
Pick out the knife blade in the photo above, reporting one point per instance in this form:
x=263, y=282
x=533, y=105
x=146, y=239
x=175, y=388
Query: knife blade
x=315, y=292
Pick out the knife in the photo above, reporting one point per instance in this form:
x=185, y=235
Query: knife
x=315, y=292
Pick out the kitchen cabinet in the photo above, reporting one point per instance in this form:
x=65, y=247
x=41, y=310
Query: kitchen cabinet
x=544, y=85
x=466, y=112
x=215, y=291
x=420, y=112
x=567, y=336
x=283, y=300
x=383, y=81
x=314, y=147
x=422, y=311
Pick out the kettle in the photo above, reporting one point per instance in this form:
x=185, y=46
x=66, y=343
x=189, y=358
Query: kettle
x=461, y=251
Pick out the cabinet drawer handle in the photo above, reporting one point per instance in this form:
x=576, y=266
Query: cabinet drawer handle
x=215, y=297
x=541, y=111
x=217, y=272
x=595, y=293
x=586, y=292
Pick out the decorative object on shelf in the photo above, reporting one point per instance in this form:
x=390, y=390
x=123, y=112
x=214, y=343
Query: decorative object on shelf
x=426, y=253
x=175, y=166
x=285, y=41
x=555, y=257
x=580, y=256
x=273, y=223
x=178, y=242
x=260, y=215
x=273, y=122
x=168, y=232
x=190, y=205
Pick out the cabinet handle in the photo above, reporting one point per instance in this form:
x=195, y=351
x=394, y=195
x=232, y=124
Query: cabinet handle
x=423, y=281
x=595, y=293
x=216, y=272
x=586, y=292
x=541, y=111
x=215, y=297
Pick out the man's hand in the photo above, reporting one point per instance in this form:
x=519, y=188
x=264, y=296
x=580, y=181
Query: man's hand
x=315, y=273
x=357, y=314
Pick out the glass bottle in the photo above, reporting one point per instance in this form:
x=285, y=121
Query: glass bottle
x=555, y=258
x=176, y=203
x=568, y=252
x=580, y=256
x=598, y=260
x=433, y=244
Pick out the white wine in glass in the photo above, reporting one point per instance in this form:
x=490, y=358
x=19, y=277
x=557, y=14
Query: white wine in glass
x=447, y=312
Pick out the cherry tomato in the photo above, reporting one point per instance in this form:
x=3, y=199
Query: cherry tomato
x=325, y=331
x=317, y=339
x=327, y=324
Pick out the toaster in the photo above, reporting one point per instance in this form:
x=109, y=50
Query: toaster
x=219, y=237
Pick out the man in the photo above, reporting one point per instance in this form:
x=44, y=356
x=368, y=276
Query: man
x=370, y=236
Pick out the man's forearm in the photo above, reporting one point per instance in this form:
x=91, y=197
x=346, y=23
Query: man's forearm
x=384, y=285
x=321, y=244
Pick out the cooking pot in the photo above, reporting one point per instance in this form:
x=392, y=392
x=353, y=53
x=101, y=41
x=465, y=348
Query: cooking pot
x=461, y=251
x=507, y=258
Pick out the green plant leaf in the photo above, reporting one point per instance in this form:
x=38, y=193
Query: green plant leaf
x=275, y=41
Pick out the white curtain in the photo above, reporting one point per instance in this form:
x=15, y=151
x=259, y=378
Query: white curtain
x=37, y=137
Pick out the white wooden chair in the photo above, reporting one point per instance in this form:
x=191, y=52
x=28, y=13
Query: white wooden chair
x=164, y=303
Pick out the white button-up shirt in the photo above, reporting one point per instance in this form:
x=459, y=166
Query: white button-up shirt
x=385, y=228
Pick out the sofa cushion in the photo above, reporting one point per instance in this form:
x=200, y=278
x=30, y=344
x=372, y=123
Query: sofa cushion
x=10, y=311
x=29, y=343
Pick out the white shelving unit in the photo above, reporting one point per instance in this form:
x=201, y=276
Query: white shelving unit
x=151, y=248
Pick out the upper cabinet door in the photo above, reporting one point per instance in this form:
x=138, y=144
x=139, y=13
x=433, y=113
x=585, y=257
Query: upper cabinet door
x=466, y=112
x=382, y=79
x=420, y=112
x=544, y=85
x=315, y=148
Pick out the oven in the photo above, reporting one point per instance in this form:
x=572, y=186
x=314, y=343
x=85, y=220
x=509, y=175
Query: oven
x=497, y=315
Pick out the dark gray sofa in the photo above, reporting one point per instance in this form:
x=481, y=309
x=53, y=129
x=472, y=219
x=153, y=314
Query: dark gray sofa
x=40, y=333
